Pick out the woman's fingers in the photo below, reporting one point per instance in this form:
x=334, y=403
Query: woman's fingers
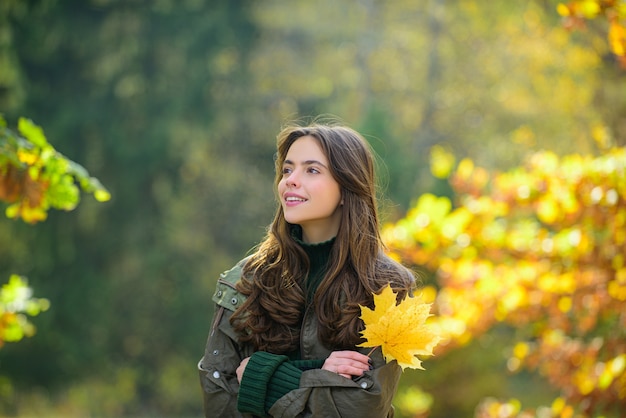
x=347, y=363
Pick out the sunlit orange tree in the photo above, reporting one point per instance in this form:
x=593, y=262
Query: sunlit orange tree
x=34, y=178
x=541, y=248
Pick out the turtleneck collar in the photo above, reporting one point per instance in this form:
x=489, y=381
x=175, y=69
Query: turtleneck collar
x=318, y=254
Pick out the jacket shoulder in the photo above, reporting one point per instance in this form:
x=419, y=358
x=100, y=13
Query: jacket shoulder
x=226, y=293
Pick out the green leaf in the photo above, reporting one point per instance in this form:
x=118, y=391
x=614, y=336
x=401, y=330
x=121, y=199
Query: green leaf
x=32, y=132
x=13, y=211
x=101, y=194
x=12, y=333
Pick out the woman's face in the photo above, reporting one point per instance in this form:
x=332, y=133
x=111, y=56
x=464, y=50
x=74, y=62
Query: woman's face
x=308, y=193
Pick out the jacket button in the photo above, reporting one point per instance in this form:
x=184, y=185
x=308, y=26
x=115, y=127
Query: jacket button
x=216, y=352
x=219, y=293
x=363, y=384
x=233, y=301
x=216, y=374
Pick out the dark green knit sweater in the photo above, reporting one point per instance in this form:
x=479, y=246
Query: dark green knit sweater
x=267, y=376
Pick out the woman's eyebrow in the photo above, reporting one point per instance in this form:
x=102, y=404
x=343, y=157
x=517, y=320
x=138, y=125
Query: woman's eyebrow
x=306, y=162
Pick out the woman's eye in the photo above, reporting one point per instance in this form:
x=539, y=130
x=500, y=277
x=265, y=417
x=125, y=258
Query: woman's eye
x=313, y=170
x=286, y=170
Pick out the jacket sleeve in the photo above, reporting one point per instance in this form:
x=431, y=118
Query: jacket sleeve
x=223, y=353
x=323, y=393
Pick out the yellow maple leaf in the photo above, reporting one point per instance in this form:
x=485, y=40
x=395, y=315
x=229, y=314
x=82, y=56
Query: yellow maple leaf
x=399, y=329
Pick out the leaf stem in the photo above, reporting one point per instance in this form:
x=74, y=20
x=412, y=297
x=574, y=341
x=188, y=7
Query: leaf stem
x=372, y=350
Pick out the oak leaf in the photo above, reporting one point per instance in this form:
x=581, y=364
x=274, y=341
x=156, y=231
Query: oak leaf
x=399, y=329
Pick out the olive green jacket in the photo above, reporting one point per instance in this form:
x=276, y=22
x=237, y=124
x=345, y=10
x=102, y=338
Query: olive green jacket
x=321, y=393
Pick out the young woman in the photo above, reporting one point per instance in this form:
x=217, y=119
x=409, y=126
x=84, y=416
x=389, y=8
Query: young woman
x=286, y=325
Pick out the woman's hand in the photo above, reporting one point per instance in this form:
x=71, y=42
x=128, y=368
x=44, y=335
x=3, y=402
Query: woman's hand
x=241, y=368
x=346, y=363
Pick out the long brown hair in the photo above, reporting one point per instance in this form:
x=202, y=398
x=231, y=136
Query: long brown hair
x=274, y=275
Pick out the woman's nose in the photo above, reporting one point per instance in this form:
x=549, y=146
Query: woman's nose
x=292, y=180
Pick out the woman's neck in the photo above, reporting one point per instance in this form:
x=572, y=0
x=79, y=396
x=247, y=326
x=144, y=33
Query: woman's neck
x=317, y=238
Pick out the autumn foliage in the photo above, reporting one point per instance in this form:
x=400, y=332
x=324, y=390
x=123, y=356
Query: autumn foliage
x=541, y=248
x=34, y=178
x=576, y=13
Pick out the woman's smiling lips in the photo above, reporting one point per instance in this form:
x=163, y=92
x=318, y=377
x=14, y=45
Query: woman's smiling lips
x=292, y=199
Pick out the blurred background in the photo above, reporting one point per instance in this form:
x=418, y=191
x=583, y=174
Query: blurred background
x=175, y=106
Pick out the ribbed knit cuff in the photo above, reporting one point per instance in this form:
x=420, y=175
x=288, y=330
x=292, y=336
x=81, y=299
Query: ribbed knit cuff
x=285, y=379
x=255, y=383
x=308, y=364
